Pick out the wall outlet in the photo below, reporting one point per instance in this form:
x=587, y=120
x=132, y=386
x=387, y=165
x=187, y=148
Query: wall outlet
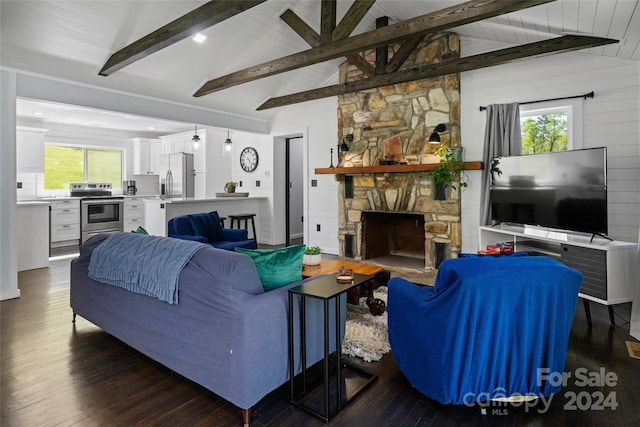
x=240, y=183
x=19, y=184
x=258, y=183
x=317, y=227
x=314, y=182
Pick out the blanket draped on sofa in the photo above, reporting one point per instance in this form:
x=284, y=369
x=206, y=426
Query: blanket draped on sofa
x=148, y=265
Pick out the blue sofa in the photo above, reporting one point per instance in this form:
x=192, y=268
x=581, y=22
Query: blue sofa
x=205, y=228
x=226, y=333
x=488, y=328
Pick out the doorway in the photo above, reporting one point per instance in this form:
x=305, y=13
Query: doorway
x=294, y=191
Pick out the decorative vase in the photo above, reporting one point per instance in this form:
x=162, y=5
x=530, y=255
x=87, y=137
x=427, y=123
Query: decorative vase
x=311, y=259
x=458, y=153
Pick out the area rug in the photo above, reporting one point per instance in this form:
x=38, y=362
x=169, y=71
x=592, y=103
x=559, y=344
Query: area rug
x=366, y=335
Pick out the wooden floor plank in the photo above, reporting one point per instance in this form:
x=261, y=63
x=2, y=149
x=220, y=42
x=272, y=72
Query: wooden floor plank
x=55, y=373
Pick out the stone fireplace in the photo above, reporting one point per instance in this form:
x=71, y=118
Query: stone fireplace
x=393, y=216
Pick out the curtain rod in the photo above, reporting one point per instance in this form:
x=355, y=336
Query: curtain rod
x=585, y=96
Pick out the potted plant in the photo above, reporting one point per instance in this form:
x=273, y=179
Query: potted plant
x=448, y=172
x=230, y=187
x=311, y=255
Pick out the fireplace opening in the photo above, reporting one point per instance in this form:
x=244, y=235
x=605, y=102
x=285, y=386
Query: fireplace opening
x=394, y=238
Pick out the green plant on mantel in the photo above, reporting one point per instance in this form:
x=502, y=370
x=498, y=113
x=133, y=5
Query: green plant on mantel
x=450, y=168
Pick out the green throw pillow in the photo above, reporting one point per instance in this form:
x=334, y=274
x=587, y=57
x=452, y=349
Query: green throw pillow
x=277, y=267
x=140, y=230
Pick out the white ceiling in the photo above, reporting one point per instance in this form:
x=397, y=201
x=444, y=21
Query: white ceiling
x=31, y=111
x=71, y=40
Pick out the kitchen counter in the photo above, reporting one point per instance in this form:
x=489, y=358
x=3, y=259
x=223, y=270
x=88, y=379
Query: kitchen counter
x=33, y=203
x=158, y=212
x=214, y=199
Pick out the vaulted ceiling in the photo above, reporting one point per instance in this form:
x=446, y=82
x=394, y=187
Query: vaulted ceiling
x=72, y=40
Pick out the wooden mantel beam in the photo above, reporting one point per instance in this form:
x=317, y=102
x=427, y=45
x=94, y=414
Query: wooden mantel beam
x=203, y=17
x=545, y=47
x=456, y=15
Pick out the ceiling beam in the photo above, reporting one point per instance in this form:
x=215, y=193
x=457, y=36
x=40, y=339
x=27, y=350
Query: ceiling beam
x=327, y=20
x=205, y=16
x=352, y=18
x=301, y=28
x=460, y=14
x=382, y=52
x=312, y=38
x=474, y=62
x=403, y=53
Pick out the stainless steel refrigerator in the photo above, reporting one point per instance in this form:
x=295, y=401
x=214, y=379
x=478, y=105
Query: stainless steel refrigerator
x=177, y=172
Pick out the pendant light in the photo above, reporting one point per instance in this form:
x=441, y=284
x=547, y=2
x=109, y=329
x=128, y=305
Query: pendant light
x=196, y=139
x=227, y=143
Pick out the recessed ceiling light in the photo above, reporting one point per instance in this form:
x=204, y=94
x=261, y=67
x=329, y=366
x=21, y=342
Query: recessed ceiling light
x=38, y=113
x=199, y=38
x=151, y=127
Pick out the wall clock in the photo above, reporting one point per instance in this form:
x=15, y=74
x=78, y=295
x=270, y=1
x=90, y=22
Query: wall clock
x=249, y=159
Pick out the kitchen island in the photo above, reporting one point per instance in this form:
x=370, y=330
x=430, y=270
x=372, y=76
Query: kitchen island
x=158, y=212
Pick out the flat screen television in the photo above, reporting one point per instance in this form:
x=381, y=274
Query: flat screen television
x=564, y=190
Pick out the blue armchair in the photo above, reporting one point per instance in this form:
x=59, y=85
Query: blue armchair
x=490, y=327
x=206, y=228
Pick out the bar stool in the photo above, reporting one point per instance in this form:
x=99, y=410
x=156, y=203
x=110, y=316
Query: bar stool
x=222, y=218
x=235, y=219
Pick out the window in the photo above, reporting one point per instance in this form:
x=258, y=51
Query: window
x=544, y=132
x=66, y=164
x=550, y=128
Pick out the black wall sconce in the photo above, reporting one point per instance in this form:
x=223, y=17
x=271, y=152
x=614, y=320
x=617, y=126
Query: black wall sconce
x=435, y=136
x=342, y=147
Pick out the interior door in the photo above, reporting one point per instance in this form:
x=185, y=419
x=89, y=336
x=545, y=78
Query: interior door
x=295, y=190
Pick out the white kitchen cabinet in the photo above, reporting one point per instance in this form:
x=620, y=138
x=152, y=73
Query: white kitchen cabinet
x=29, y=150
x=133, y=213
x=183, y=143
x=65, y=222
x=146, y=156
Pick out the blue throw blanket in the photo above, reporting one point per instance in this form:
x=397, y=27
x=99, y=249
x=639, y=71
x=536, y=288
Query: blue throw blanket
x=148, y=265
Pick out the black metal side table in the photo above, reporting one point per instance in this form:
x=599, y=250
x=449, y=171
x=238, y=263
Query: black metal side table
x=325, y=288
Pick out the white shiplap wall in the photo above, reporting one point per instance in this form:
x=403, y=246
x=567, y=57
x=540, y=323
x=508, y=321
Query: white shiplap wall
x=318, y=119
x=611, y=119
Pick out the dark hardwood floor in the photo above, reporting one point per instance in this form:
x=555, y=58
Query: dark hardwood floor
x=55, y=373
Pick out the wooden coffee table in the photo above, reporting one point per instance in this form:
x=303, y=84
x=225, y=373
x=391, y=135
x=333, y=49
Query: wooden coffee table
x=332, y=265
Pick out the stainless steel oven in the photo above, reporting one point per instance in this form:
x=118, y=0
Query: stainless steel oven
x=101, y=215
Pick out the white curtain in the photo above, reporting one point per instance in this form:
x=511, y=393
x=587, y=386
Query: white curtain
x=501, y=138
x=635, y=305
